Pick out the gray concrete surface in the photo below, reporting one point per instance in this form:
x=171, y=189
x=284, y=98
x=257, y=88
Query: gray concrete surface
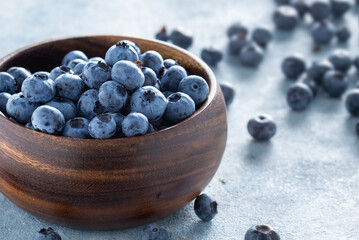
x=305, y=182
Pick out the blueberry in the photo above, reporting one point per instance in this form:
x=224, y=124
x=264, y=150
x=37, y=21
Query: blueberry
x=237, y=28
x=335, y=83
x=73, y=63
x=118, y=117
x=196, y=87
x=357, y=128
x=205, y=208
x=318, y=70
x=169, y=63
x=340, y=7
x=76, y=128
x=128, y=74
x=251, y=55
x=356, y=63
x=166, y=93
x=262, y=36
x=75, y=54
x=96, y=59
x=155, y=232
x=79, y=68
x=343, y=34
x=228, y=92
x=65, y=106
x=47, y=234
x=286, y=18
x=89, y=104
x=299, y=96
x=322, y=32
x=7, y=83
x=293, y=66
x=132, y=44
x=261, y=232
x=20, y=74
x=69, y=86
x=121, y=51
x=262, y=127
x=38, y=88
x=211, y=56
x=102, y=126
x=135, y=124
x=149, y=101
x=162, y=34
x=179, y=107
x=352, y=102
x=150, y=76
x=182, y=37
x=48, y=119
x=172, y=77
x=236, y=43
x=112, y=96
x=57, y=71
x=310, y=82
x=301, y=6
x=95, y=74
x=341, y=60
x=20, y=108
x=320, y=9
x=282, y=2
x=153, y=60
x=4, y=97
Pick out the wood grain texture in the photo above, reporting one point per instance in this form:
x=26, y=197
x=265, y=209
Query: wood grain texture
x=113, y=183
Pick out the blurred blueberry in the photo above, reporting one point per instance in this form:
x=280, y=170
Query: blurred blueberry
x=128, y=74
x=182, y=37
x=20, y=108
x=236, y=43
x=261, y=232
x=57, y=71
x=322, y=32
x=237, y=28
x=89, y=104
x=310, y=82
x=335, y=83
x=179, y=107
x=205, y=208
x=47, y=234
x=262, y=36
x=135, y=124
x=357, y=128
x=48, y=119
x=352, y=102
x=343, y=34
x=356, y=62
x=340, y=7
x=155, y=231
x=4, y=97
x=228, y=92
x=95, y=74
x=341, y=60
x=153, y=60
x=301, y=6
x=162, y=34
x=318, y=70
x=195, y=87
x=69, y=86
x=76, y=128
x=38, y=88
x=211, y=56
x=286, y=17
x=150, y=76
x=20, y=74
x=112, y=96
x=172, y=77
x=293, y=66
x=299, y=96
x=320, y=9
x=102, y=126
x=262, y=127
x=75, y=54
x=65, y=106
x=121, y=51
x=251, y=55
x=7, y=83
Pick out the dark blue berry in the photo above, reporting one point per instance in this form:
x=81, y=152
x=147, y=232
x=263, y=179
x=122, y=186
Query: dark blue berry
x=179, y=107
x=318, y=70
x=322, y=32
x=133, y=45
x=76, y=128
x=7, y=83
x=320, y=9
x=262, y=127
x=340, y=7
x=153, y=60
x=79, y=68
x=356, y=63
x=343, y=34
x=30, y=126
x=121, y=51
x=118, y=117
x=182, y=37
x=69, y=86
x=135, y=124
x=205, y=208
x=211, y=56
x=128, y=74
x=195, y=87
x=341, y=60
x=155, y=232
x=73, y=63
x=150, y=76
x=47, y=234
x=172, y=77
x=299, y=96
x=4, y=97
x=65, y=106
x=310, y=83
x=38, y=88
x=75, y=54
x=113, y=96
x=262, y=36
x=237, y=28
x=150, y=102
x=357, y=128
x=162, y=34
x=48, y=119
x=167, y=93
x=236, y=43
x=352, y=102
x=57, y=71
x=261, y=232
x=169, y=63
x=95, y=74
x=102, y=126
x=228, y=92
x=251, y=55
x=20, y=108
x=301, y=6
x=20, y=74
x=286, y=17
x=293, y=66
x=89, y=104
x=335, y=83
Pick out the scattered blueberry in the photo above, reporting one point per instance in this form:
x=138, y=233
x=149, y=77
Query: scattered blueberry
x=162, y=34
x=57, y=71
x=38, y=88
x=47, y=234
x=356, y=63
x=262, y=127
x=118, y=117
x=102, y=126
x=340, y=7
x=196, y=87
x=320, y=9
x=48, y=119
x=211, y=56
x=89, y=104
x=76, y=128
x=121, y=51
x=155, y=232
x=75, y=54
x=301, y=6
x=73, y=63
x=4, y=97
x=172, y=77
x=352, y=102
x=169, y=63
x=237, y=28
x=20, y=108
x=20, y=74
x=343, y=34
x=153, y=60
x=150, y=102
x=134, y=124
x=357, y=128
x=128, y=74
x=322, y=32
x=69, y=86
x=251, y=55
x=65, y=106
x=286, y=17
x=7, y=83
x=341, y=60
x=335, y=83
x=293, y=66
x=95, y=74
x=228, y=92
x=179, y=107
x=318, y=70
x=236, y=43
x=299, y=96
x=262, y=36
x=205, y=208
x=113, y=96
x=182, y=37
x=261, y=232
x=310, y=82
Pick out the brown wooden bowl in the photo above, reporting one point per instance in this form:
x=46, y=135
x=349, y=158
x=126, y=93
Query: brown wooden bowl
x=113, y=183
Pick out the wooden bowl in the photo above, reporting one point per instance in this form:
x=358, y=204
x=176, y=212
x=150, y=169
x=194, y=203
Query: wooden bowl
x=113, y=183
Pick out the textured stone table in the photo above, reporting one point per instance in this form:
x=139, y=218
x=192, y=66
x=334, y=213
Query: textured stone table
x=305, y=182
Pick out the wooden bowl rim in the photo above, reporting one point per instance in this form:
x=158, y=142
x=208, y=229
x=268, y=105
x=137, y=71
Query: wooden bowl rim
x=212, y=82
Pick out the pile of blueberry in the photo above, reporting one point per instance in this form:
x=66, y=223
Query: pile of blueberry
x=128, y=93
x=322, y=12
